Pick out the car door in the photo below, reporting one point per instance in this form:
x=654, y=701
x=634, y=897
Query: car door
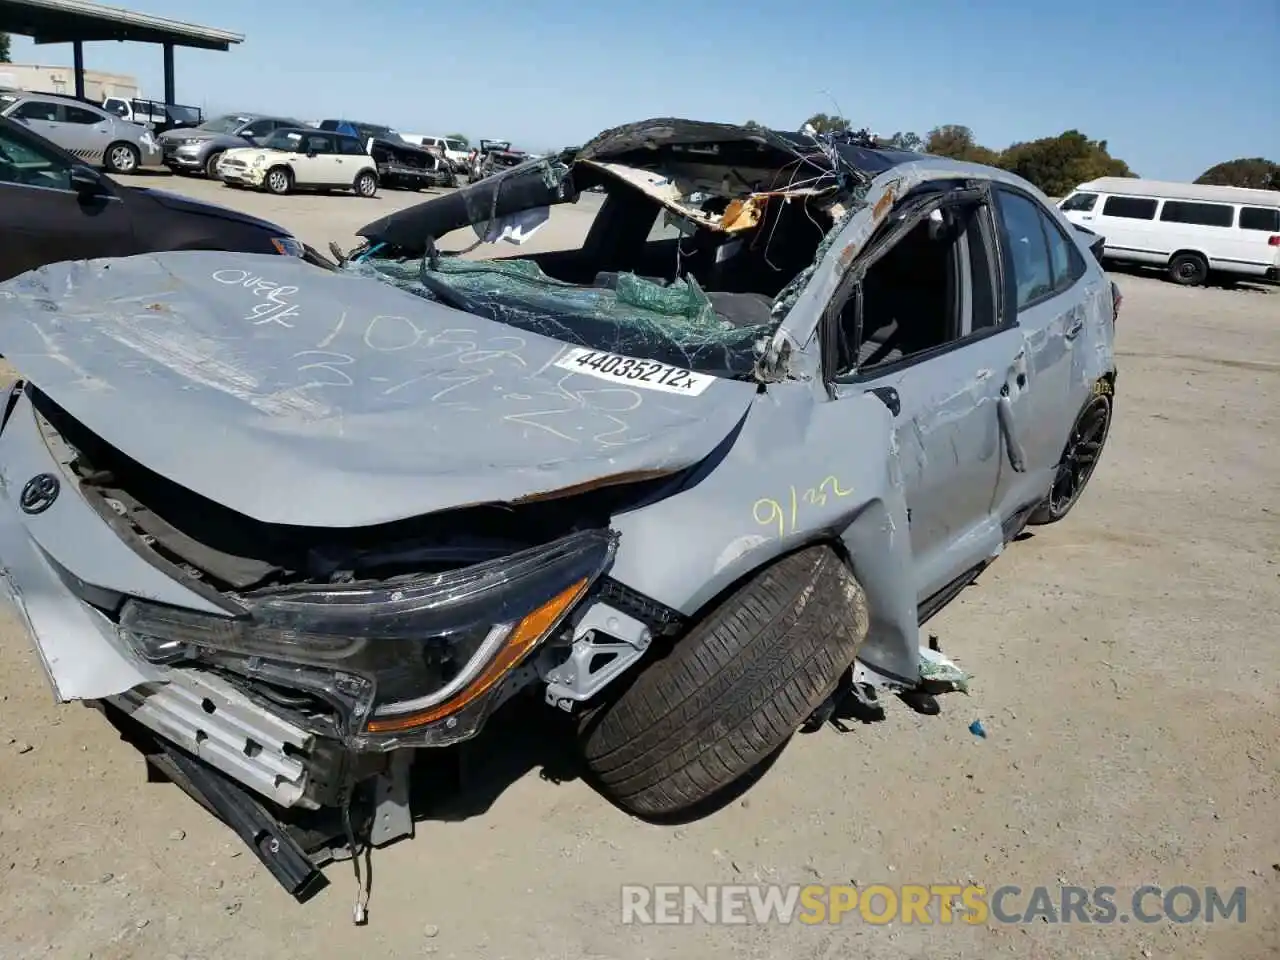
x=84, y=132
x=326, y=164
x=306, y=168
x=39, y=116
x=938, y=352
x=44, y=218
x=1052, y=286
x=354, y=158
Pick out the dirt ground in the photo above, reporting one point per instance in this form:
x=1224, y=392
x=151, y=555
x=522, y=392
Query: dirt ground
x=1125, y=668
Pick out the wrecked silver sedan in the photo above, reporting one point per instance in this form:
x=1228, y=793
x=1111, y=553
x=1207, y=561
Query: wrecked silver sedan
x=696, y=482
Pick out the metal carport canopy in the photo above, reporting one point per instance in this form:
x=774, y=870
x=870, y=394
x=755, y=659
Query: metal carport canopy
x=78, y=21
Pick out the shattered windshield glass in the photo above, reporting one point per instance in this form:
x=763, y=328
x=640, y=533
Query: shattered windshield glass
x=675, y=323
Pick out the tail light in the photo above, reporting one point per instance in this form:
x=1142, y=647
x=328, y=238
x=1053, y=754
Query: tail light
x=1274, y=241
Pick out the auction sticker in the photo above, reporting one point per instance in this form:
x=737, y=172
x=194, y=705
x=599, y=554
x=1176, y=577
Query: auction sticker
x=634, y=372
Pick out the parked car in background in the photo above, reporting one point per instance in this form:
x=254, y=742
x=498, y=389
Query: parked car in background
x=400, y=164
x=86, y=131
x=301, y=158
x=197, y=149
x=161, y=116
x=1189, y=229
x=452, y=149
x=53, y=207
x=495, y=157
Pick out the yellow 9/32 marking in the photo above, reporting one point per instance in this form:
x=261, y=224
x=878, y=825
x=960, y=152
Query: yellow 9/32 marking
x=783, y=514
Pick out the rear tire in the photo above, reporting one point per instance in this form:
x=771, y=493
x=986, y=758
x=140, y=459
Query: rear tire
x=1079, y=458
x=279, y=180
x=1188, y=269
x=366, y=185
x=122, y=158
x=731, y=692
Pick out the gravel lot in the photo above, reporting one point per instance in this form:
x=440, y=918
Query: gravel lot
x=1125, y=665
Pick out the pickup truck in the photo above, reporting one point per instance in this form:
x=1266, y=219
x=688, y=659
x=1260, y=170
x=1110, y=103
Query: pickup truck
x=162, y=116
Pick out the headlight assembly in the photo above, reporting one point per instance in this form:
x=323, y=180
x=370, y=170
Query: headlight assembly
x=413, y=659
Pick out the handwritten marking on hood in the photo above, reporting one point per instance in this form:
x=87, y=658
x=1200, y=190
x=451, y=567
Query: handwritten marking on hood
x=275, y=306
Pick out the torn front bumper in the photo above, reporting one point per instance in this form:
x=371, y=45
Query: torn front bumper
x=87, y=659
x=207, y=671
x=239, y=173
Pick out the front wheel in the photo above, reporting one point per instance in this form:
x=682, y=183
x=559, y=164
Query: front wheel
x=695, y=724
x=1084, y=447
x=122, y=158
x=211, y=165
x=278, y=181
x=366, y=184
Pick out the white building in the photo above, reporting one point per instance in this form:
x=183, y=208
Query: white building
x=42, y=78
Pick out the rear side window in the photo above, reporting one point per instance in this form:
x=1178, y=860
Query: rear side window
x=350, y=146
x=78, y=115
x=319, y=144
x=1200, y=214
x=1131, y=208
x=1028, y=249
x=1064, y=256
x=1080, y=202
x=1260, y=218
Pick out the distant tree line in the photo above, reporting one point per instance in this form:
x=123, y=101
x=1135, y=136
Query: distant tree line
x=1253, y=172
x=4, y=48
x=1054, y=164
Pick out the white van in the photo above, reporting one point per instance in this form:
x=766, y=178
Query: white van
x=1187, y=228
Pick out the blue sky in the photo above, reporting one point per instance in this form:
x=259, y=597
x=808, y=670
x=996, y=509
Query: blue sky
x=1173, y=86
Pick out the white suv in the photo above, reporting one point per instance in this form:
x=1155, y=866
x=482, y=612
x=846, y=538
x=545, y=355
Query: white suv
x=455, y=151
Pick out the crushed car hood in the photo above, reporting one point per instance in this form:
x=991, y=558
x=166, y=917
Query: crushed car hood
x=302, y=396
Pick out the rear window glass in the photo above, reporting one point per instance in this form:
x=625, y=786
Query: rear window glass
x=1131, y=208
x=1200, y=214
x=77, y=115
x=1260, y=218
x=1082, y=202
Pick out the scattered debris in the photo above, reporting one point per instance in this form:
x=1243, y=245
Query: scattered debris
x=25, y=748
x=178, y=835
x=430, y=930
x=937, y=669
x=978, y=730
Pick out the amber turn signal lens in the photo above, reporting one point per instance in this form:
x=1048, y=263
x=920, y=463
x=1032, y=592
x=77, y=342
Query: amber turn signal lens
x=526, y=635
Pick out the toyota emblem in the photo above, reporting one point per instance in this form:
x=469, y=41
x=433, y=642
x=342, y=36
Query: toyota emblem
x=39, y=493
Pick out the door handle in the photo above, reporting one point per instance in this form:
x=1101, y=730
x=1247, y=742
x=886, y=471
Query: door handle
x=1008, y=428
x=1073, y=331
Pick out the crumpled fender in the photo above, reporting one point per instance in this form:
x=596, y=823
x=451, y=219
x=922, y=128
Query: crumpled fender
x=799, y=472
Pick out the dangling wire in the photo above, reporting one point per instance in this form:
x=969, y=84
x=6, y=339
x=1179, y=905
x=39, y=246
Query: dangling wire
x=360, y=909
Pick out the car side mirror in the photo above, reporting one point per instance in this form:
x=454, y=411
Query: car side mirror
x=86, y=183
